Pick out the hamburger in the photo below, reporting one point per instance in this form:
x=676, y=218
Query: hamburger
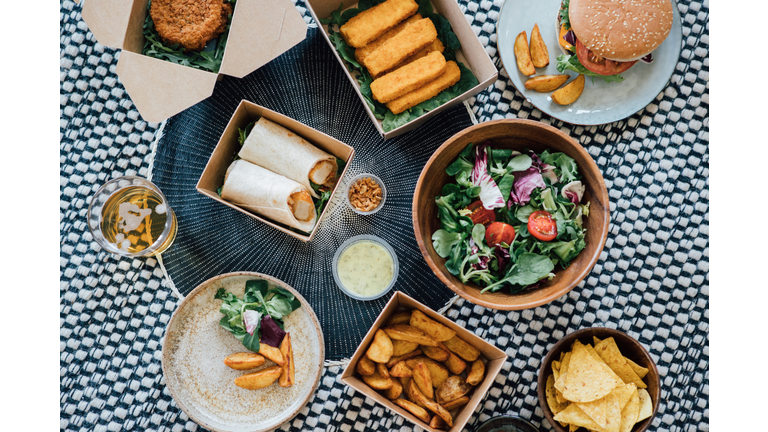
x=607, y=37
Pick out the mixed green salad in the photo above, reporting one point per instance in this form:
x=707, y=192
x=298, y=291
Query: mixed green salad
x=509, y=218
x=208, y=60
x=258, y=317
x=444, y=33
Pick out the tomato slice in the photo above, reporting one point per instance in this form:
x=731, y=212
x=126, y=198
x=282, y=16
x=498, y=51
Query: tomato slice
x=479, y=214
x=542, y=226
x=600, y=65
x=498, y=233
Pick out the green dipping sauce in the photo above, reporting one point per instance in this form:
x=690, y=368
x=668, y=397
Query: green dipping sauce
x=365, y=268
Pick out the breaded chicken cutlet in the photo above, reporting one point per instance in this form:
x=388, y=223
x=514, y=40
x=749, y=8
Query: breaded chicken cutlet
x=190, y=23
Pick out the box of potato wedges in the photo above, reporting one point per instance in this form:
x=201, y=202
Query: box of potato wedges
x=174, y=51
x=407, y=59
x=423, y=366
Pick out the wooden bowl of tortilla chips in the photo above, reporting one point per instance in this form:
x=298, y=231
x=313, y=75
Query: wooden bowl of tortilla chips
x=599, y=379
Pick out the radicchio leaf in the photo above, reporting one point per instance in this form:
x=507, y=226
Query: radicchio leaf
x=502, y=256
x=271, y=333
x=573, y=191
x=490, y=194
x=548, y=171
x=525, y=182
x=251, y=319
x=482, y=264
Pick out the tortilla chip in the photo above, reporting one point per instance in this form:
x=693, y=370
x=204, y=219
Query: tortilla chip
x=646, y=405
x=629, y=413
x=595, y=340
x=623, y=393
x=556, y=369
x=572, y=428
x=573, y=415
x=599, y=359
x=559, y=386
x=639, y=370
x=612, y=413
x=552, y=401
x=609, y=352
x=565, y=362
x=585, y=380
x=596, y=410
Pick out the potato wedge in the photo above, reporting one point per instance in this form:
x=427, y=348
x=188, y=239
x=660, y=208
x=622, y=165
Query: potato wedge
x=401, y=370
x=435, y=353
x=365, y=366
x=288, y=377
x=419, y=399
x=382, y=370
x=462, y=348
x=378, y=382
x=456, y=403
x=568, y=94
x=381, y=348
x=431, y=327
x=400, y=317
x=395, y=391
x=437, y=422
x=523, y=55
x=411, y=334
x=395, y=360
x=545, y=83
x=452, y=388
x=414, y=409
x=259, y=379
x=454, y=364
x=476, y=373
x=438, y=371
x=423, y=378
x=271, y=353
x=244, y=360
x=539, y=51
x=401, y=347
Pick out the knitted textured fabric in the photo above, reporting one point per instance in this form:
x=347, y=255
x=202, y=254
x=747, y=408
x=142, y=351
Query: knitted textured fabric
x=650, y=281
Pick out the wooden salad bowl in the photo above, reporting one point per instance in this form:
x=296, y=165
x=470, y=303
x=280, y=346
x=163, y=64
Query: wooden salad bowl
x=629, y=347
x=519, y=135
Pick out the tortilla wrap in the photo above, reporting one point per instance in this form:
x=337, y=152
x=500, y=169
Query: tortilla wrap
x=261, y=191
x=281, y=151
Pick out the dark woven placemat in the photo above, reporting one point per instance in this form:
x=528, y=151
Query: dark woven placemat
x=306, y=84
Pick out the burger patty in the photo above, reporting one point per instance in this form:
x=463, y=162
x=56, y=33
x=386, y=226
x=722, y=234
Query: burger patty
x=190, y=23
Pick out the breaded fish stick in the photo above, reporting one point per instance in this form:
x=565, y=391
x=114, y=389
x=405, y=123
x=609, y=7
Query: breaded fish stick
x=436, y=45
x=410, y=40
x=363, y=52
x=374, y=22
x=449, y=77
x=408, y=78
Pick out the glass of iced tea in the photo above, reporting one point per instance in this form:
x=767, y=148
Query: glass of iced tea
x=129, y=216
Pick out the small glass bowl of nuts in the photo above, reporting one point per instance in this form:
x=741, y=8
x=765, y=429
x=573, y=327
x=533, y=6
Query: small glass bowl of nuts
x=366, y=194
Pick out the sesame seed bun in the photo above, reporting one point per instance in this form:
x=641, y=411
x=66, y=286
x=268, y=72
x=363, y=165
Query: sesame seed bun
x=621, y=30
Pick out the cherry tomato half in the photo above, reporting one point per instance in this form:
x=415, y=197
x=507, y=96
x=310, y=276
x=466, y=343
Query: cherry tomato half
x=498, y=233
x=600, y=65
x=479, y=214
x=542, y=226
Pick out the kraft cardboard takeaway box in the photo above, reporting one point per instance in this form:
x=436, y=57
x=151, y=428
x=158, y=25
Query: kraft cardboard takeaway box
x=260, y=31
x=472, y=54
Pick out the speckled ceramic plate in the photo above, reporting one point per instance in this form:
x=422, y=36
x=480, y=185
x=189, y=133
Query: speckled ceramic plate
x=194, y=349
x=601, y=102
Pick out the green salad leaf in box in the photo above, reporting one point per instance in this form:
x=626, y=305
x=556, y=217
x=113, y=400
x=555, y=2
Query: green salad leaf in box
x=517, y=240
x=446, y=35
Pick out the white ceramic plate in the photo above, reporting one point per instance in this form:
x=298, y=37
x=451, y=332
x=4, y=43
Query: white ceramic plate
x=601, y=102
x=194, y=349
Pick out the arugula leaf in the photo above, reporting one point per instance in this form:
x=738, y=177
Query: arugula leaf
x=571, y=62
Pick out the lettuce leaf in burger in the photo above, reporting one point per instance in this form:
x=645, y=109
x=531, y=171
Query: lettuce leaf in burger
x=604, y=38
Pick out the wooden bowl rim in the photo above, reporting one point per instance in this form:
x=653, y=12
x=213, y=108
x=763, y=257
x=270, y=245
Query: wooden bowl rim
x=546, y=366
x=600, y=189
